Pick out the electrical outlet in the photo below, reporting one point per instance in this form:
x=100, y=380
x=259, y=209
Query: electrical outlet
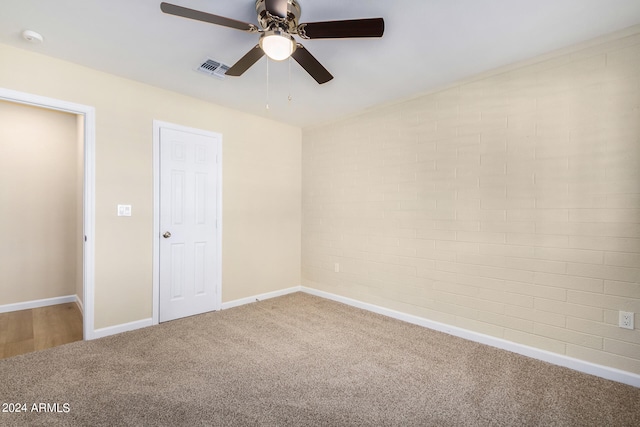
x=336, y=267
x=626, y=320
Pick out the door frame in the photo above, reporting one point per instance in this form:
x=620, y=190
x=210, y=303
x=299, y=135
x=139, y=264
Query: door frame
x=157, y=125
x=88, y=220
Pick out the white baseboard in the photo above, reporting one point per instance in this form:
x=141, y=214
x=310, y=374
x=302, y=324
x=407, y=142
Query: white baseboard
x=36, y=303
x=117, y=329
x=557, y=359
x=602, y=371
x=125, y=327
x=80, y=305
x=249, y=300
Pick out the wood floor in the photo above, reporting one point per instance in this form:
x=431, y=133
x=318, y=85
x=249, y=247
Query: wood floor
x=39, y=328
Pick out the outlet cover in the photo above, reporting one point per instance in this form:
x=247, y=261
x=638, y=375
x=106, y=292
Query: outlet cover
x=626, y=320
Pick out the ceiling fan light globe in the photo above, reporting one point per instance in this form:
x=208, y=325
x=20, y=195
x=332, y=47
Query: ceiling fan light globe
x=277, y=45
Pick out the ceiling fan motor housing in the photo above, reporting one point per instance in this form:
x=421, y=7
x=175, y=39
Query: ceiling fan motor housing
x=288, y=22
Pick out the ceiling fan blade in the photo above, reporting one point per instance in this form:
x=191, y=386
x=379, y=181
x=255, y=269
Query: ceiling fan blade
x=369, y=27
x=173, y=9
x=311, y=64
x=276, y=7
x=246, y=61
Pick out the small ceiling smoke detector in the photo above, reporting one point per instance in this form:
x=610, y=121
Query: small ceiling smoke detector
x=32, y=37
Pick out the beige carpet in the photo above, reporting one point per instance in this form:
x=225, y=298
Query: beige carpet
x=302, y=360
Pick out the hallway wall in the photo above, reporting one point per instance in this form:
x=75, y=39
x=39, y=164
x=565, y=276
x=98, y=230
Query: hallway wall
x=38, y=203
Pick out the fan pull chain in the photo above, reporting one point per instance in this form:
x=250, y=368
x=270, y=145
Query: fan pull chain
x=267, y=104
x=289, y=98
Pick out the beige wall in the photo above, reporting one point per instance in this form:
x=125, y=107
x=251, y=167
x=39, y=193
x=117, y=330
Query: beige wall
x=38, y=234
x=508, y=205
x=261, y=183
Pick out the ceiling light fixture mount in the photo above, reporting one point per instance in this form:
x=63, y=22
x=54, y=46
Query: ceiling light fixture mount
x=32, y=36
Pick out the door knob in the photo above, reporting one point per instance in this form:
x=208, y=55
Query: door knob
x=166, y=235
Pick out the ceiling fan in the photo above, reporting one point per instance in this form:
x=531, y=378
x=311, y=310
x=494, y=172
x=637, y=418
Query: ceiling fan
x=279, y=22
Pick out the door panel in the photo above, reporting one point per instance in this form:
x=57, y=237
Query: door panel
x=188, y=233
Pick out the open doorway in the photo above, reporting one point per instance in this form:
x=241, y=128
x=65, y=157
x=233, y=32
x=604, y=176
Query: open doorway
x=48, y=204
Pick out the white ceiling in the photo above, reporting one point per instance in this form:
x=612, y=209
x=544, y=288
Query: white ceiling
x=427, y=44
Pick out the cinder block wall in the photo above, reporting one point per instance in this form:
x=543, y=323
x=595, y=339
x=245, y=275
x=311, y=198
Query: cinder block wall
x=508, y=205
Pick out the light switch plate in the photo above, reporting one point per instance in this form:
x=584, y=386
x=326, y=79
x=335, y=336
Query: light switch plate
x=124, y=210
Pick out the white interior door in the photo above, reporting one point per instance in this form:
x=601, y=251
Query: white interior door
x=188, y=224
